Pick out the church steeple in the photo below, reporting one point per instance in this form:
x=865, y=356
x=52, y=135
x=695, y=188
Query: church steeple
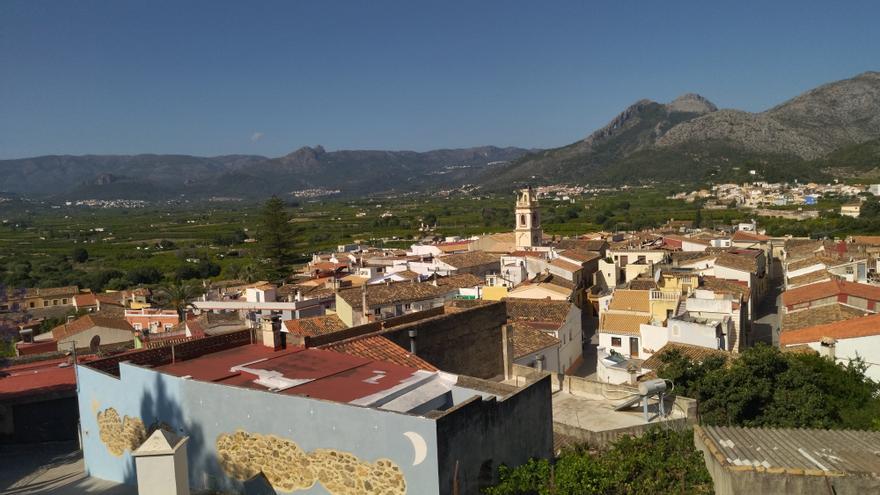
x=528, y=220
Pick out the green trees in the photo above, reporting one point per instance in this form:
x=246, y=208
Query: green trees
x=765, y=387
x=660, y=461
x=275, y=237
x=80, y=255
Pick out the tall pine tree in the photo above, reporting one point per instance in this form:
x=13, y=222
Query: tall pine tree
x=276, y=237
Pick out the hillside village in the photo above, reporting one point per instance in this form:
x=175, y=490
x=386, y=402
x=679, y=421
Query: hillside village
x=510, y=332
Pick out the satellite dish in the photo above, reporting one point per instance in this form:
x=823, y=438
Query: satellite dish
x=95, y=343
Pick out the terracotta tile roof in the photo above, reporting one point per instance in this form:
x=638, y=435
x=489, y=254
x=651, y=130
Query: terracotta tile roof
x=470, y=259
x=739, y=260
x=529, y=254
x=406, y=274
x=685, y=258
x=89, y=321
x=716, y=284
x=695, y=353
x=743, y=236
x=804, y=263
x=682, y=238
x=580, y=256
x=819, y=316
x=832, y=288
x=379, y=348
x=630, y=300
x=847, y=329
x=642, y=283
x=407, y=291
x=314, y=326
x=460, y=281
x=527, y=339
x=85, y=300
x=110, y=298
x=536, y=310
x=625, y=324
x=809, y=278
x=451, y=247
x=584, y=244
x=565, y=265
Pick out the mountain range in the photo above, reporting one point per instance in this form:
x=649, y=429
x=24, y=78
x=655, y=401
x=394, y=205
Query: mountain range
x=830, y=131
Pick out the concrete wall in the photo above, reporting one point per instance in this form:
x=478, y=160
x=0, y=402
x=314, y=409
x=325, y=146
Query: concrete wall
x=468, y=342
x=516, y=428
x=107, y=335
x=142, y=397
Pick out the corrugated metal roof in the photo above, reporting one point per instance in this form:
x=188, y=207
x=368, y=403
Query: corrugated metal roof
x=796, y=451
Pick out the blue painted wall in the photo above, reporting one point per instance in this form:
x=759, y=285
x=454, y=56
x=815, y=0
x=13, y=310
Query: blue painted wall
x=206, y=410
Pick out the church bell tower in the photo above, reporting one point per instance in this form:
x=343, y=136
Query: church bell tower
x=528, y=220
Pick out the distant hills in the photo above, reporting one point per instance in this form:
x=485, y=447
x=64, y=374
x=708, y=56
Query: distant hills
x=246, y=176
x=690, y=139
x=830, y=131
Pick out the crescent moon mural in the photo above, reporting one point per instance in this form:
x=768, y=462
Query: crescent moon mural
x=419, y=447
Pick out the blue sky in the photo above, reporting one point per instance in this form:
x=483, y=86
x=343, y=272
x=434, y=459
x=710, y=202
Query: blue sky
x=214, y=77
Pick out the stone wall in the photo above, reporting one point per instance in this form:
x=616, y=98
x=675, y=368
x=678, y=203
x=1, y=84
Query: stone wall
x=466, y=342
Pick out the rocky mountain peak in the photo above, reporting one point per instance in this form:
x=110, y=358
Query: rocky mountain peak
x=691, y=103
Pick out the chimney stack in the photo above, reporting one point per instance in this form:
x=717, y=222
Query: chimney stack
x=413, y=333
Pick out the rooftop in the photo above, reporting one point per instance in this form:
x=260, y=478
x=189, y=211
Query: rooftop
x=820, y=315
x=469, y=259
x=537, y=310
x=400, y=292
x=797, y=451
x=317, y=373
x=851, y=328
x=695, y=353
x=831, y=288
x=314, y=326
x=86, y=322
x=625, y=324
x=380, y=348
x=528, y=339
x=630, y=300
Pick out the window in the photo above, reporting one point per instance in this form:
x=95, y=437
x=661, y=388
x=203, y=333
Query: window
x=64, y=301
x=615, y=342
x=137, y=326
x=54, y=302
x=522, y=220
x=377, y=311
x=168, y=327
x=407, y=307
x=32, y=304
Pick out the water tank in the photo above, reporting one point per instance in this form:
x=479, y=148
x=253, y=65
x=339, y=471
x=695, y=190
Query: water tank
x=652, y=387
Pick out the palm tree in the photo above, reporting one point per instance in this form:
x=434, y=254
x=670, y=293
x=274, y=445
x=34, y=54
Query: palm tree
x=179, y=295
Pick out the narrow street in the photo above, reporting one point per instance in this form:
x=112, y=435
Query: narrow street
x=766, y=323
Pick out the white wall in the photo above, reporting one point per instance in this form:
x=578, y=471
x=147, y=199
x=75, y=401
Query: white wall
x=868, y=348
x=653, y=338
x=692, y=333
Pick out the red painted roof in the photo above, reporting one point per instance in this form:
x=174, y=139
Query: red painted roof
x=330, y=375
x=36, y=378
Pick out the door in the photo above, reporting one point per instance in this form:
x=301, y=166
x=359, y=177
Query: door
x=634, y=347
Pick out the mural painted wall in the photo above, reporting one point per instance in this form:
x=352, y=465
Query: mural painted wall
x=301, y=445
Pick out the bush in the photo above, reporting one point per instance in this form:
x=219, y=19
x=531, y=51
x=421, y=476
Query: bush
x=660, y=461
